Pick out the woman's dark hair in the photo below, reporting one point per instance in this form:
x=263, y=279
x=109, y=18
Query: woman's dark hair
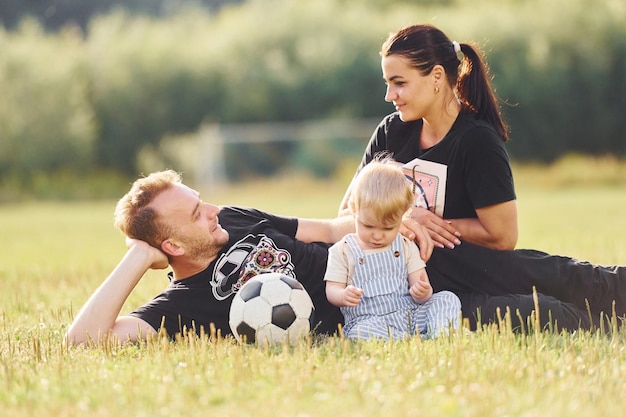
x=426, y=46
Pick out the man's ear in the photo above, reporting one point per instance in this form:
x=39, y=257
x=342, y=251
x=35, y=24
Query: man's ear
x=170, y=247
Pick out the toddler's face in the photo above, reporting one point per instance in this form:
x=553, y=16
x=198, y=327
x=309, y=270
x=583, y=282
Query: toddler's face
x=371, y=232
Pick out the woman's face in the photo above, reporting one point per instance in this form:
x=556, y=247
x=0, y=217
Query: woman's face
x=412, y=93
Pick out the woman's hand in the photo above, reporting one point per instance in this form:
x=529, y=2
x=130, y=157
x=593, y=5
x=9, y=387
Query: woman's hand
x=412, y=230
x=440, y=231
x=495, y=227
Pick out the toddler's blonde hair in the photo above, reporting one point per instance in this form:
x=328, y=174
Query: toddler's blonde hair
x=382, y=186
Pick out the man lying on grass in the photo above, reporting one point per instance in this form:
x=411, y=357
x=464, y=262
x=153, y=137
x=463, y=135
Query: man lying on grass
x=213, y=250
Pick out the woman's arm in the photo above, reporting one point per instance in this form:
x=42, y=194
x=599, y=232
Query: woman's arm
x=496, y=227
x=343, y=207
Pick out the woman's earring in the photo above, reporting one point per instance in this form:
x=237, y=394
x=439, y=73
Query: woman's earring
x=436, y=90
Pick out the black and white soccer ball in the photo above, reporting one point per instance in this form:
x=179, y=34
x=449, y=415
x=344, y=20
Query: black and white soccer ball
x=271, y=308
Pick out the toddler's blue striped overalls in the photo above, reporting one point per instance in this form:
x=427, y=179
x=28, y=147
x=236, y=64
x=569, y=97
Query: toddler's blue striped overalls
x=387, y=310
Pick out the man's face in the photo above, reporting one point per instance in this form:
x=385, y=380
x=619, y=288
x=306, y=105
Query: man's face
x=194, y=223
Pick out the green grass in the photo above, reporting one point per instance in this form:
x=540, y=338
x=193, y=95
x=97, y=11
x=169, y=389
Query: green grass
x=55, y=254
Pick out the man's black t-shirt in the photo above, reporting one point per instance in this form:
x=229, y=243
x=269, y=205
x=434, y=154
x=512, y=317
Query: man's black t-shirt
x=259, y=242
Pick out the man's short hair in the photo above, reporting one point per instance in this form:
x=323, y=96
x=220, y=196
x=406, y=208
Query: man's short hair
x=133, y=214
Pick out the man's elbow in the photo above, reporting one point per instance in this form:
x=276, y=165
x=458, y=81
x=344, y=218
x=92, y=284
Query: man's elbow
x=81, y=336
x=78, y=335
x=90, y=340
x=74, y=338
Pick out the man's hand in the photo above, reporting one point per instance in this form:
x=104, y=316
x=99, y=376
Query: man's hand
x=158, y=258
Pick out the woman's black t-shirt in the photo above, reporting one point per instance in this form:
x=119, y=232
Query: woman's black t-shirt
x=478, y=169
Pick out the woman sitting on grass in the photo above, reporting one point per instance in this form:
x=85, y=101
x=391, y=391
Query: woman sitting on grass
x=447, y=114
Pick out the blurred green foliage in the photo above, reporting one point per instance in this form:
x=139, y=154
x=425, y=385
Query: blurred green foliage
x=46, y=115
x=90, y=101
x=54, y=14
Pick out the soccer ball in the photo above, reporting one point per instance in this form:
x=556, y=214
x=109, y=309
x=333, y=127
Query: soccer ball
x=271, y=308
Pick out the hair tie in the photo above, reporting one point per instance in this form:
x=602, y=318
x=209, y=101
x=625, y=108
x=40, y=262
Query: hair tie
x=457, y=47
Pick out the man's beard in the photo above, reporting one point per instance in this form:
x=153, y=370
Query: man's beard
x=200, y=249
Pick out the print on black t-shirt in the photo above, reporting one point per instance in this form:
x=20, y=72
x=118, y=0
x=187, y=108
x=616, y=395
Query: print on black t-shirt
x=247, y=258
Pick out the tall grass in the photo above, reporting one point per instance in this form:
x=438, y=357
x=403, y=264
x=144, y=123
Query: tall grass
x=55, y=254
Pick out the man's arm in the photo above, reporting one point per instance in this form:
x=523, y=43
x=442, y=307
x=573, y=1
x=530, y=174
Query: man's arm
x=99, y=318
x=329, y=231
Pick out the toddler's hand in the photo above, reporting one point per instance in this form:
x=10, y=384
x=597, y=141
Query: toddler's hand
x=352, y=295
x=421, y=291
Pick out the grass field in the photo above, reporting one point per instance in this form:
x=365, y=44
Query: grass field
x=55, y=254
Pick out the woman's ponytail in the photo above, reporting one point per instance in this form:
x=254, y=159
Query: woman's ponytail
x=474, y=89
